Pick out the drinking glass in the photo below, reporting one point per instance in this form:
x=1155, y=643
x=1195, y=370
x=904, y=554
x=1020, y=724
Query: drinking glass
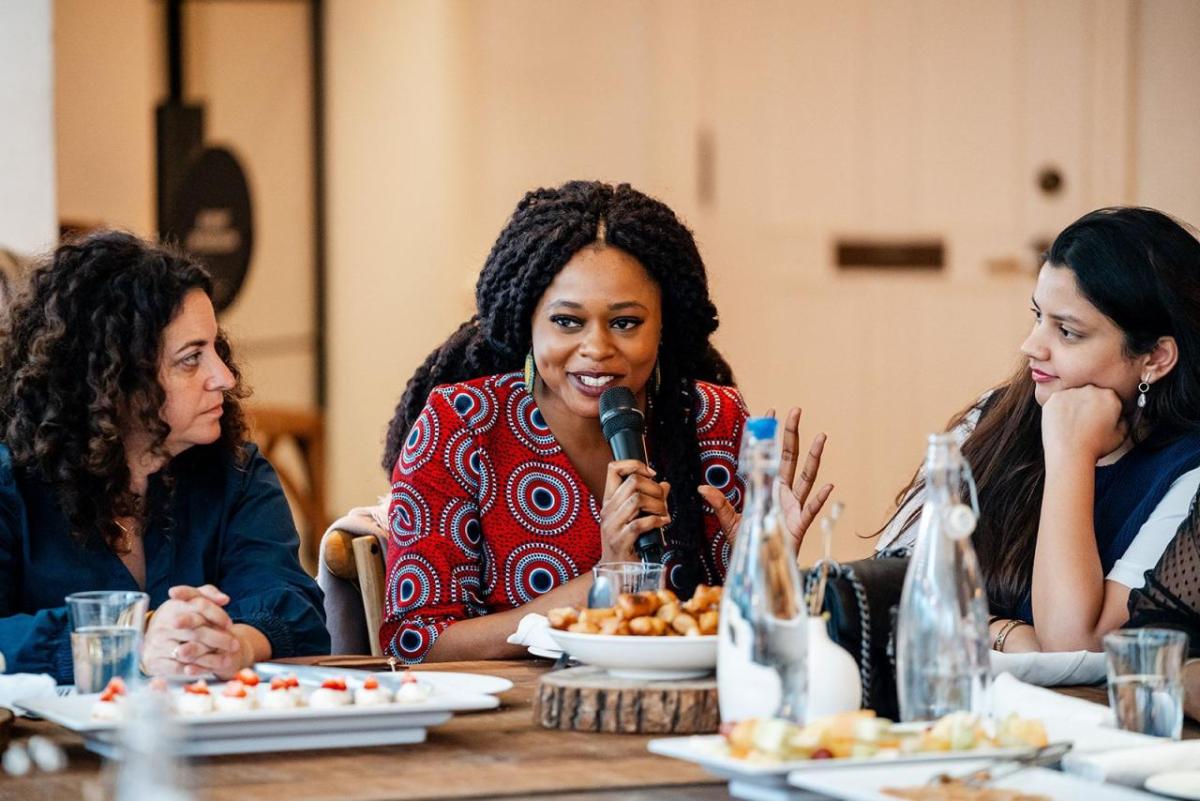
x=1145, y=687
x=610, y=579
x=106, y=636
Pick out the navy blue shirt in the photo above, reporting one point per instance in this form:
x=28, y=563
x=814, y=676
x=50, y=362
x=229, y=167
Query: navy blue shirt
x=228, y=525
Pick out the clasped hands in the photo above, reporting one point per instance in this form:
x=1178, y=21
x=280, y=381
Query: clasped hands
x=191, y=635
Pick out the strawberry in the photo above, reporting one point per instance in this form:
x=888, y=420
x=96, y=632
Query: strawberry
x=371, y=683
x=198, y=688
x=248, y=677
x=334, y=684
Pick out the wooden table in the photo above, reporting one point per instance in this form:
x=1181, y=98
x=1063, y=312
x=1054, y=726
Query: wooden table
x=494, y=754
x=479, y=755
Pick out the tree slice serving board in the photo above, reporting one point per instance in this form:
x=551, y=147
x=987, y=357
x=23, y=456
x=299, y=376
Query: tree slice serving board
x=588, y=699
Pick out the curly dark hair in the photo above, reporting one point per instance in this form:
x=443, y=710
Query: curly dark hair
x=548, y=227
x=79, y=363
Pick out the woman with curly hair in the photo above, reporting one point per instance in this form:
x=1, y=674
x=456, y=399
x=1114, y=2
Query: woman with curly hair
x=124, y=465
x=504, y=490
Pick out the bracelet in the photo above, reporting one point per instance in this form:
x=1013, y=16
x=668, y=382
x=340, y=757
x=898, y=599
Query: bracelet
x=1002, y=635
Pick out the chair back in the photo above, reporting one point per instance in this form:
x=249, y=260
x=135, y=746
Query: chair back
x=351, y=574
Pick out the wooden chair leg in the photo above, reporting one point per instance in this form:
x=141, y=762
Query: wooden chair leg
x=369, y=560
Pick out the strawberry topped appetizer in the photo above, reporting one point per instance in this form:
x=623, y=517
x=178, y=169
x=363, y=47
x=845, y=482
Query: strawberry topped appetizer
x=332, y=693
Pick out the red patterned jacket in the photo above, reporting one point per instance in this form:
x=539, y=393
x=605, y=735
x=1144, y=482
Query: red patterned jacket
x=487, y=512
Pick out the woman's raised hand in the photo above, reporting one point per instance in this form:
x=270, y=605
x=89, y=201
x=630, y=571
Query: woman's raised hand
x=799, y=504
x=630, y=491
x=191, y=635
x=1084, y=419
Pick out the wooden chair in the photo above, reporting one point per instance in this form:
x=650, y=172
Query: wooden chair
x=275, y=426
x=360, y=559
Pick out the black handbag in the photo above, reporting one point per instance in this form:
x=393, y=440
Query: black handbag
x=860, y=598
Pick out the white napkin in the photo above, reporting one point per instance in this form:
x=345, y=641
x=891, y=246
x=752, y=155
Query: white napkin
x=1053, y=668
x=1086, y=725
x=1132, y=766
x=20, y=686
x=533, y=632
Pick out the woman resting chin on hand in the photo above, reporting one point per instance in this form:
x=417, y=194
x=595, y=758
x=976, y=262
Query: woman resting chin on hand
x=1087, y=458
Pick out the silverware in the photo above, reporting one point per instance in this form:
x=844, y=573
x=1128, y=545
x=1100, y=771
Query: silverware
x=1046, y=755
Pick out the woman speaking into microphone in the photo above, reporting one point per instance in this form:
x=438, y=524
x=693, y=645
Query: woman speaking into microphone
x=505, y=491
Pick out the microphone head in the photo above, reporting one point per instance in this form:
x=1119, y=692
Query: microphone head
x=618, y=411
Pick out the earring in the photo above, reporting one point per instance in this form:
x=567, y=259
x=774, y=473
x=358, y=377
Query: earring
x=657, y=379
x=530, y=371
x=1143, y=388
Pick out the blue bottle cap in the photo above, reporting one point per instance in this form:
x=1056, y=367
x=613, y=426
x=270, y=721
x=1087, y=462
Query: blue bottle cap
x=762, y=427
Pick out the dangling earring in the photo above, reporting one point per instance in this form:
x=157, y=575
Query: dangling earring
x=1143, y=388
x=656, y=384
x=530, y=371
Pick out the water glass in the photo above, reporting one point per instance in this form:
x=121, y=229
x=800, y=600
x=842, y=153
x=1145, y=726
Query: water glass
x=1145, y=686
x=611, y=579
x=106, y=636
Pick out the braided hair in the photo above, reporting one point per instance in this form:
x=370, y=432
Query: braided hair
x=548, y=227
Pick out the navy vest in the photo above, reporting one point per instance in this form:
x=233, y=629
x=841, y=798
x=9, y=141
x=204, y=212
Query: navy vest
x=1129, y=490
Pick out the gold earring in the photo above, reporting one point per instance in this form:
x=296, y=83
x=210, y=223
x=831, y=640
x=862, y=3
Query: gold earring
x=530, y=371
x=657, y=385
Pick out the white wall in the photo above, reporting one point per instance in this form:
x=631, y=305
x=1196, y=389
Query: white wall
x=28, y=220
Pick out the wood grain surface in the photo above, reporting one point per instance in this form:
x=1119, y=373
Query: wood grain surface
x=588, y=699
x=496, y=754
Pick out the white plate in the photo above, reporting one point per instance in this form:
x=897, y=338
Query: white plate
x=866, y=784
x=642, y=658
x=709, y=752
x=443, y=681
x=446, y=681
x=274, y=729
x=1177, y=784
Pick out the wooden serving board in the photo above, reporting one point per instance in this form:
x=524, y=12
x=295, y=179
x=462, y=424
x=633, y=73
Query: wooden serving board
x=588, y=699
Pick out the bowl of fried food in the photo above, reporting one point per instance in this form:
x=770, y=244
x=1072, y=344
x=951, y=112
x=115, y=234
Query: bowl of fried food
x=644, y=636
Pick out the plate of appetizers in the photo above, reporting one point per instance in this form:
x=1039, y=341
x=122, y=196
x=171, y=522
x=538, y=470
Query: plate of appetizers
x=285, y=713
x=644, y=635
x=764, y=751
x=441, y=681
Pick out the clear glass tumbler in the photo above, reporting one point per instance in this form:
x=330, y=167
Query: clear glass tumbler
x=106, y=636
x=610, y=579
x=1145, y=685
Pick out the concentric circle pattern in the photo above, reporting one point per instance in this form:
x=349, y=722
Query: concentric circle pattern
x=471, y=468
x=476, y=407
x=460, y=521
x=421, y=443
x=534, y=569
x=529, y=426
x=413, y=583
x=408, y=514
x=413, y=639
x=719, y=469
x=544, y=498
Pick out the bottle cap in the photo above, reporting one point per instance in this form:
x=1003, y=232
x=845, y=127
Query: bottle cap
x=762, y=427
x=959, y=521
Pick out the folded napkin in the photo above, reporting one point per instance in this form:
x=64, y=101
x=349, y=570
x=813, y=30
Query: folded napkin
x=1132, y=766
x=21, y=686
x=1053, y=668
x=533, y=632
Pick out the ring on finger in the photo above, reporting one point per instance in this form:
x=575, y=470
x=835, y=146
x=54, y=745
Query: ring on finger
x=175, y=653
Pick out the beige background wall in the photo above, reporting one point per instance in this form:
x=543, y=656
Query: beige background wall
x=28, y=222
x=861, y=117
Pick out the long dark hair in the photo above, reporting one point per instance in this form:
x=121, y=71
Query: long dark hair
x=548, y=227
x=79, y=361
x=1139, y=268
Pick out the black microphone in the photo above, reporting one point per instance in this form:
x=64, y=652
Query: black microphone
x=624, y=427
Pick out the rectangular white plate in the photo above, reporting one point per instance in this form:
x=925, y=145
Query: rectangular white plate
x=274, y=729
x=707, y=751
x=866, y=784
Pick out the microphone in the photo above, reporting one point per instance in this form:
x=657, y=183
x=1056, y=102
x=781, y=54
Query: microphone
x=624, y=427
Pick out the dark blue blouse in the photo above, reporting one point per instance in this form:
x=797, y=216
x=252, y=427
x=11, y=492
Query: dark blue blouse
x=228, y=525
